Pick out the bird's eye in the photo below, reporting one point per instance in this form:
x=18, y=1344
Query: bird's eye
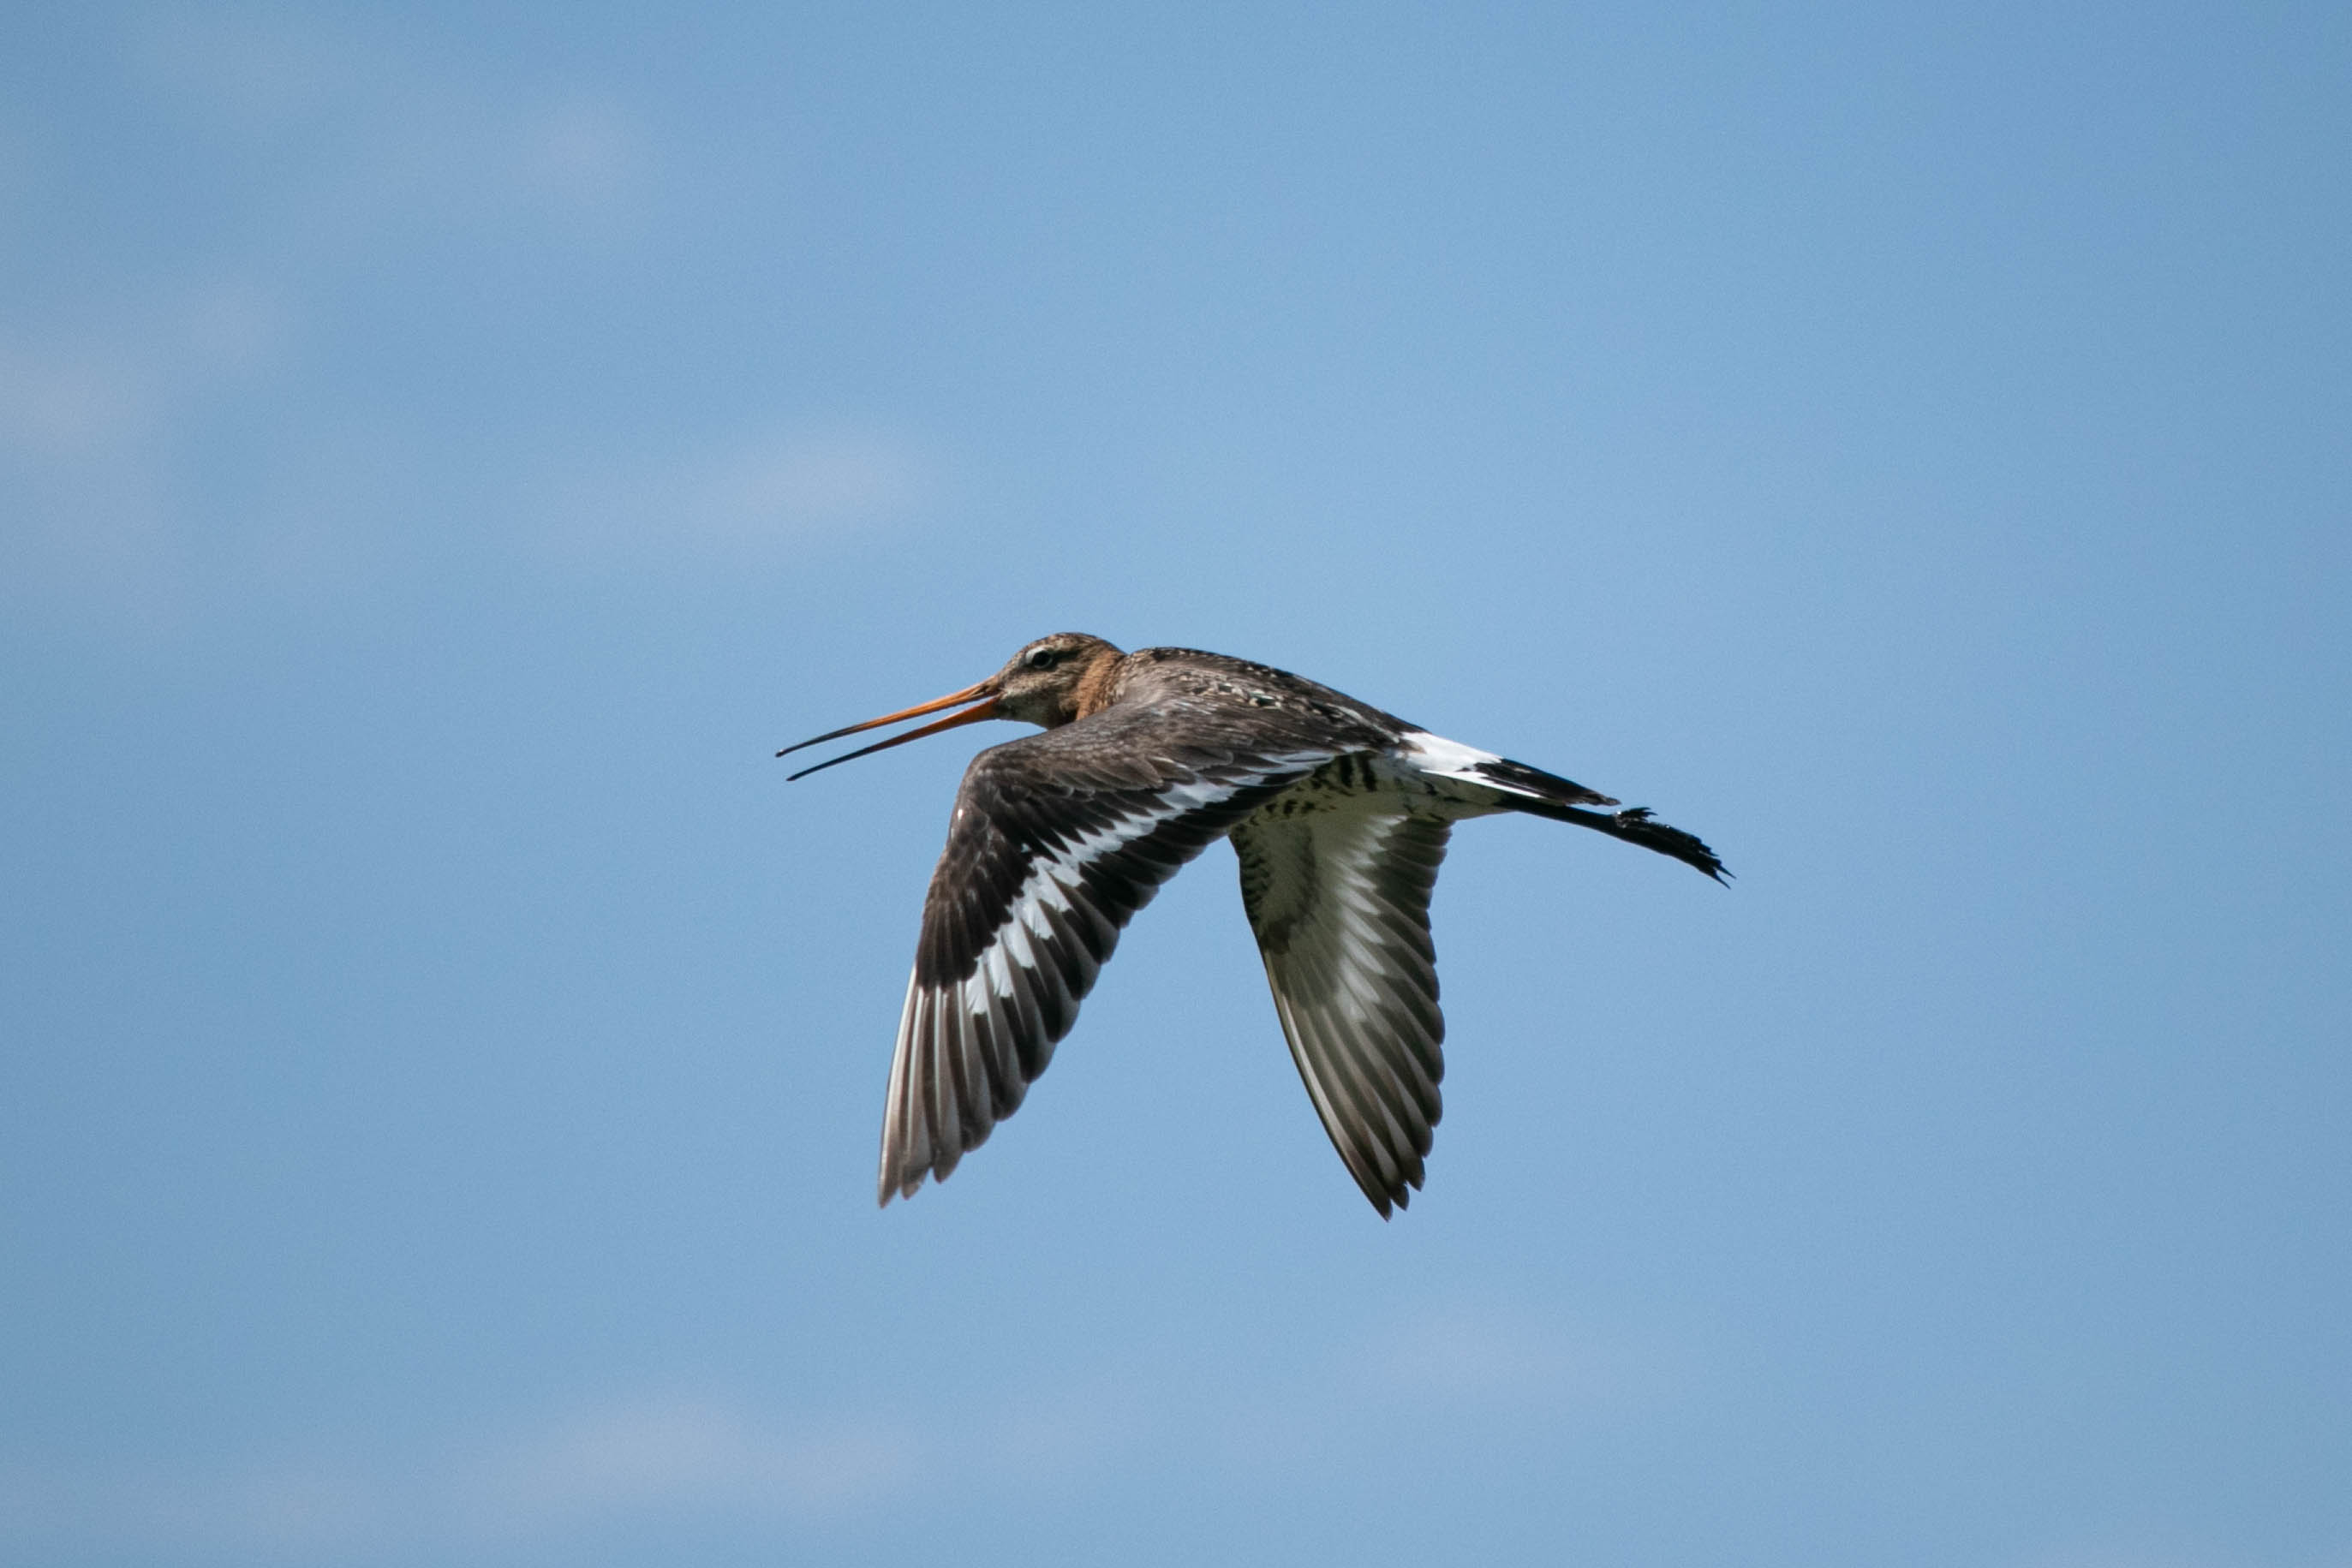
x=1044, y=658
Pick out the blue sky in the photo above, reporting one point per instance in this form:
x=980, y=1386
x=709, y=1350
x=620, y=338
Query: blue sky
x=445, y=452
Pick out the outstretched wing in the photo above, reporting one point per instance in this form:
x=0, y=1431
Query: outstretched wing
x=1057, y=840
x=1339, y=900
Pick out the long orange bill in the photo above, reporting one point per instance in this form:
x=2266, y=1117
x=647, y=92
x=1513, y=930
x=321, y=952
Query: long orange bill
x=982, y=697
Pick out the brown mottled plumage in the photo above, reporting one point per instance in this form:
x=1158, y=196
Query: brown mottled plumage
x=1339, y=814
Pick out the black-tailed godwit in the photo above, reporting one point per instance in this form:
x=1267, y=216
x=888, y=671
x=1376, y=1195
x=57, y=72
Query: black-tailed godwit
x=1340, y=813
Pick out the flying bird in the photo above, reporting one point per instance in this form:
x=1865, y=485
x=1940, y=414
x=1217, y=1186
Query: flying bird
x=1338, y=812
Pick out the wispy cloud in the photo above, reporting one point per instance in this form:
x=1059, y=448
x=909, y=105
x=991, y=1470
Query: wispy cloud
x=2132, y=1554
x=254, y=73
x=70, y=402
x=658, y=1457
x=673, y=1455
x=155, y=408
x=753, y=500
x=91, y=422
x=583, y=152
x=371, y=135
x=256, y=1505
x=1488, y=1351
x=707, y=1460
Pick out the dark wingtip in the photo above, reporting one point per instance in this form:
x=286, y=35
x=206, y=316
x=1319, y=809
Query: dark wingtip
x=898, y=1183
x=1634, y=824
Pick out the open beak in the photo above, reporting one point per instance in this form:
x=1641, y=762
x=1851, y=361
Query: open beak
x=983, y=700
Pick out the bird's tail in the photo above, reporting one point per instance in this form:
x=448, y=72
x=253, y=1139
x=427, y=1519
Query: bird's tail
x=1635, y=826
x=1542, y=794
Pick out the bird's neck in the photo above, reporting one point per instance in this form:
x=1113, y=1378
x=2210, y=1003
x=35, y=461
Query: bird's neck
x=1098, y=687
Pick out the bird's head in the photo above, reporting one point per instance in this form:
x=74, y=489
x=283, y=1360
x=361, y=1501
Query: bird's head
x=1049, y=682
